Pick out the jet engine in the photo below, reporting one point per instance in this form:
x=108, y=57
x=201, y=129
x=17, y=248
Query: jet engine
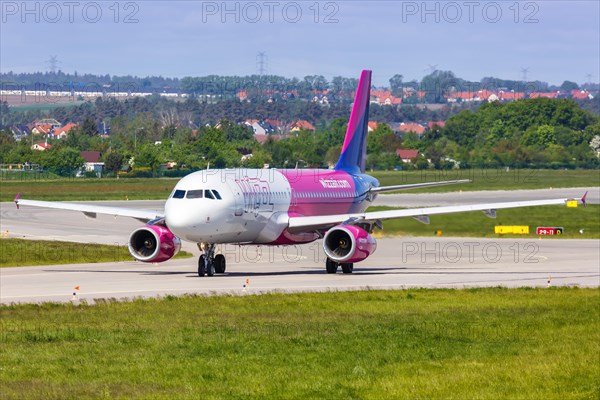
x=348, y=244
x=153, y=243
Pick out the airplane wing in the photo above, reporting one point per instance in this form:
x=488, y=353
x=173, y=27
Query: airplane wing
x=92, y=210
x=415, y=185
x=303, y=224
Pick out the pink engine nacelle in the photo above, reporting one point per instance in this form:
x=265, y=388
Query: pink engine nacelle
x=153, y=243
x=348, y=244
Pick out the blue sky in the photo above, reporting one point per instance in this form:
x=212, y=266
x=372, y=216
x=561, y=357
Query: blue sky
x=555, y=40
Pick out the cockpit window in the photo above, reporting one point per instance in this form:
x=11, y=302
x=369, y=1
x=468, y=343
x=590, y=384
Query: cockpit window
x=217, y=195
x=195, y=194
x=208, y=194
x=179, y=194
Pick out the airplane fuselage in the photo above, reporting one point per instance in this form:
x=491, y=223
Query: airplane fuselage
x=253, y=206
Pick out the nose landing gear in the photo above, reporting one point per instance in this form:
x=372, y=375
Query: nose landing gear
x=209, y=263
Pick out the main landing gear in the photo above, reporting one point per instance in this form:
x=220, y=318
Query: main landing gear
x=332, y=267
x=209, y=263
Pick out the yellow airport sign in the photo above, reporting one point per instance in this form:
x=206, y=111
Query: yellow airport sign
x=514, y=229
x=572, y=203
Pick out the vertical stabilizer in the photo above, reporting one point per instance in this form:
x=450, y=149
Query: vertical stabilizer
x=353, y=158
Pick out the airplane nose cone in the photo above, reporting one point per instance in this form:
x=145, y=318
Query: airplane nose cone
x=190, y=220
x=177, y=219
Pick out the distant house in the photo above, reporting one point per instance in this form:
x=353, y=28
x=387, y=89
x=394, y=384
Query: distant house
x=43, y=129
x=581, y=94
x=45, y=121
x=372, y=125
x=384, y=98
x=431, y=124
x=92, y=161
x=406, y=127
x=302, y=125
x=510, y=96
x=480, y=95
x=276, y=124
x=19, y=131
x=41, y=146
x=407, y=156
x=546, y=95
x=262, y=128
x=249, y=122
x=62, y=132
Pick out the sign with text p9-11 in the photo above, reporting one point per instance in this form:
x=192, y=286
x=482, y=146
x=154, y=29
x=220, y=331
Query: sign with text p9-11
x=545, y=231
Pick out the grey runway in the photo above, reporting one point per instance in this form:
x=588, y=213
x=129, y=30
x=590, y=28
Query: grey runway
x=398, y=262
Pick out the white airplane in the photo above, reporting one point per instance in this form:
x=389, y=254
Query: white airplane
x=278, y=207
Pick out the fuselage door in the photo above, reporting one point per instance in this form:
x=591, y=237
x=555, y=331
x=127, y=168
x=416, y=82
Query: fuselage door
x=239, y=201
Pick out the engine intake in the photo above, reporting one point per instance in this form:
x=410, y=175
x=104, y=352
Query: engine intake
x=153, y=243
x=348, y=244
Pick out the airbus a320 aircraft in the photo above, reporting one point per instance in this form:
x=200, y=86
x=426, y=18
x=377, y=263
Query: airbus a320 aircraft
x=278, y=207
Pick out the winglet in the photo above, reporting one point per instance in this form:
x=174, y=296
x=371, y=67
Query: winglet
x=17, y=197
x=583, y=201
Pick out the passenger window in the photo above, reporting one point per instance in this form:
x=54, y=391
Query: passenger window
x=208, y=194
x=194, y=194
x=217, y=195
x=179, y=194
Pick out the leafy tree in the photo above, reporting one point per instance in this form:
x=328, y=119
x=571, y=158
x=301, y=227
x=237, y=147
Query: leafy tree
x=113, y=162
x=541, y=136
x=7, y=143
x=147, y=156
x=333, y=154
x=567, y=86
x=421, y=163
x=396, y=85
x=335, y=133
x=89, y=127
x=235, y=132
x=411, y=141
x=375, y=139
x=62, y=161
x=438, y=83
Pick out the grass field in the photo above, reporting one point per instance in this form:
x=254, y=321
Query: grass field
x=88, y=189
x=19, y=252
x=159, y=188
x=493, y=179
x=477, y=224
x=417, y=344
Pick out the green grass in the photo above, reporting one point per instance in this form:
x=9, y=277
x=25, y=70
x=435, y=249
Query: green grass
x=89, y=189
x=492, y=179
x=419, y=344
x=159, y=188
x=19, y=252
x=477, y=224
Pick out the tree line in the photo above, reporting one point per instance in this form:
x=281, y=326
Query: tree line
x=525, y=133
x=275, y=87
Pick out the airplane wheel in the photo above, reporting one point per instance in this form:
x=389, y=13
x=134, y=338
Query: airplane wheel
x=220, y=264
x=201, y=266
x=331, y=266
x=347, y=268
x=210, y=270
